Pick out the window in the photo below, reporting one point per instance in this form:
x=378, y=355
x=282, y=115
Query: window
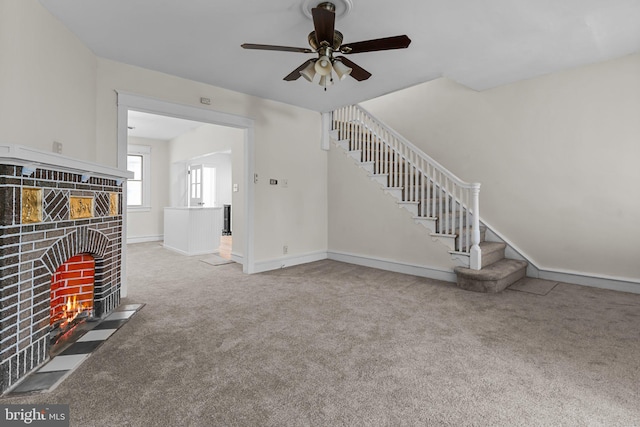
x=195, y=185
x=134, y=186
x=139, y=187
x=202, y=185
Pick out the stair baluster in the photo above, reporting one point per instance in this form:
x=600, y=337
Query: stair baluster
x=437, y=192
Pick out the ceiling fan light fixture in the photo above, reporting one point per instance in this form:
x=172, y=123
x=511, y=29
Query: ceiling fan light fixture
x=325, y=81
x=323, y=66
x=309, y=72
x=341, y=70
x=325, y=40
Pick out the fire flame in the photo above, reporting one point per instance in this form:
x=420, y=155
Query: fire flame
x=72, y=308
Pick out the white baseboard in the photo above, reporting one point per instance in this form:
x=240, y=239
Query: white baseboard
x=288, y=261
x=180, y=251
x=237, y=258
x=382, y=264
x=621, y=284
x=613, y=283
x=144, y=239
x=395, y=266
x=534, y=269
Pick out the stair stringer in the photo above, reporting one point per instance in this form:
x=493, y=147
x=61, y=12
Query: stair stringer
x=461, y=259
x=367, y=224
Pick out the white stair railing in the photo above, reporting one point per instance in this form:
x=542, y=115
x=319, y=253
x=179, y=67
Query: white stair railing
x=438, y=193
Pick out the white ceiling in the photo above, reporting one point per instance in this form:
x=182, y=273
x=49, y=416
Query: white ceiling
x=480, y=44
x=155, y=126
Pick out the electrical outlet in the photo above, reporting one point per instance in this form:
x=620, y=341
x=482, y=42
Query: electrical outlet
x=285, y=249
x=205, y=101
x=273, y=181
x=235, y=188
x=255, y=178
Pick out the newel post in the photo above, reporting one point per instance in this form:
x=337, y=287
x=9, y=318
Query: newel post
x=475, y=261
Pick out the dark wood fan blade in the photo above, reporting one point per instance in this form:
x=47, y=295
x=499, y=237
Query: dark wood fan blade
x=295, y=74
x=324, y=22
x=387, y=43
x=273, y=47
x=357, y=72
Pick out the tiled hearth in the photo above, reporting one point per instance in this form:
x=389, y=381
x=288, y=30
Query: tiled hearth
x=52, y=208
x=47, y=377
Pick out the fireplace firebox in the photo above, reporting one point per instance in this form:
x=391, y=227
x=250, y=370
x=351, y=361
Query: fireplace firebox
x=71, y=296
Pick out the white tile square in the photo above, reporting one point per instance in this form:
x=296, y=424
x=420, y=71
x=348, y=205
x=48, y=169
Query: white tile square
x=119, y=315
x=64, y=363
x=99, y=335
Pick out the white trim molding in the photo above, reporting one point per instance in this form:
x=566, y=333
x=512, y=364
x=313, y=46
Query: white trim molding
x=189, y=254
x=144, y=239
x=621, y=284
x=20, y=155
x=395, y=266
x=289, y=261
x=571, y=277
x=534, y=269
x=237, y=258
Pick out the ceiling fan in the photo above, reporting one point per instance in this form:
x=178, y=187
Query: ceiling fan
x=325, y=41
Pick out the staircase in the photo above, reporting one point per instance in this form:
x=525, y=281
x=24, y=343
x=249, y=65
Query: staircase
x=438, y=200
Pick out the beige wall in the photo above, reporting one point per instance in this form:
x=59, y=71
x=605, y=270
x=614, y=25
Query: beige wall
x=557, y=157
x=53, y=88
x=149, y=224
x=47, y=82
x=287, y=145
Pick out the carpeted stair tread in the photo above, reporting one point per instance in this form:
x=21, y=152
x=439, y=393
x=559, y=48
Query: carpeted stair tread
x=492, y=278
x=495, y=271
x=489, y=247
x=492, y=252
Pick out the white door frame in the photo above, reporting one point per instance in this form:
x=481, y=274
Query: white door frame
x=130, y=101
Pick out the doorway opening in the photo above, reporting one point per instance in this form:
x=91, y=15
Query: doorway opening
x=181, y=164
x=242, y=188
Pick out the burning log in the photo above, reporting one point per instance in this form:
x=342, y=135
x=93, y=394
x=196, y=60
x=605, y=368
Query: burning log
x=71, y=314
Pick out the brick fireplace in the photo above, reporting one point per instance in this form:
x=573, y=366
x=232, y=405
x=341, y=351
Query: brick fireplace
x=53, y=209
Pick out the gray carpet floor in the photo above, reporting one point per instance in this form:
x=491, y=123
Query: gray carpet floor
x=330, y=344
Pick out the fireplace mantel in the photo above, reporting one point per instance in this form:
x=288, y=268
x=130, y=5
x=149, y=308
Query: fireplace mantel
x=30, y=158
